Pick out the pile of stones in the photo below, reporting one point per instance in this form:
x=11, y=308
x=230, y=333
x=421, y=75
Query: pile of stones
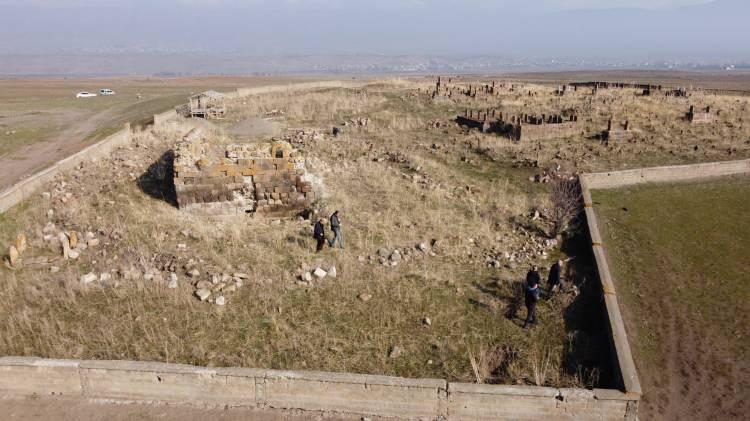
x=440, y=124
x=522, y=247
x=358, y=121
x=309, y=275
x=274, y=114
x=394, y=257
x=216, y=287
x=303, y=136
x=550, y=174
x=65, y=244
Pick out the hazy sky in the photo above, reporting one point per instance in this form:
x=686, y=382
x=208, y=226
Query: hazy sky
x=534, y=28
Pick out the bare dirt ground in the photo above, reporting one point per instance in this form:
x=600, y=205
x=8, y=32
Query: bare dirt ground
x=42, y=122
x=31, y=158
x=85, y=410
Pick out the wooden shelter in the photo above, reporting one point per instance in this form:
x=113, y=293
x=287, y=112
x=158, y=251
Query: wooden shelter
x=209, y=104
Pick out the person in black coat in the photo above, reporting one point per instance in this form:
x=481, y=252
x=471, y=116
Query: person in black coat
x=555, y=279
x=319, y=234
x=533, y=277
x=336, y=228
x=531, y=298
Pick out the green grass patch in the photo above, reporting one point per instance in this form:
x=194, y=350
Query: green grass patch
x=682, y=246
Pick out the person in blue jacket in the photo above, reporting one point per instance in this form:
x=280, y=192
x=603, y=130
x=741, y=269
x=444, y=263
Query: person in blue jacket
x=336, y=228
x=531, y=298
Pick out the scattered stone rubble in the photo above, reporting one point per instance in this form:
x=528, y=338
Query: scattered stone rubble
x=54, y=244
x=393, y=257
x=309, y=275
x=358, y=121
x=214, y=287
x=303, y=137
x=16, y=250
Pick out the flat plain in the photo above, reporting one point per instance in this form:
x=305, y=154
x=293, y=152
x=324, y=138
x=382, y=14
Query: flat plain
x=42, y=121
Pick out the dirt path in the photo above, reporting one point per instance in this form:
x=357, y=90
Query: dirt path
x=44, y=409
x=32, y=158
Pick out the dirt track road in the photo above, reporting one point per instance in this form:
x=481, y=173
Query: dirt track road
x=83, y=410
x=34, y=157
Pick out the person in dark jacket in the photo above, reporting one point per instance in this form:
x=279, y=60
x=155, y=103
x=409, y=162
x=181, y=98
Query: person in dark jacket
x=319, y=234
x=336, y=228
x=554, y=279
x=533, y=277
x=531, y=298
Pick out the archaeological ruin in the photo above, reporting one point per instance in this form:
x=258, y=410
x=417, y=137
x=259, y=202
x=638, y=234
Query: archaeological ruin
x=524, y=127
x=699, y=117
x=623, y=133
x=212, y=179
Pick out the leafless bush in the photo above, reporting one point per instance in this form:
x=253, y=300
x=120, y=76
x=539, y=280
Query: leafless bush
x=541, y=365
x=494, y=364
x=566, y=199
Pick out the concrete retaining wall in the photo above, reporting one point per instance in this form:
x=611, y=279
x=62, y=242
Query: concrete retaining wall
x=668, y=174
x=623, y=358
x=315, y=391
x=161, y=118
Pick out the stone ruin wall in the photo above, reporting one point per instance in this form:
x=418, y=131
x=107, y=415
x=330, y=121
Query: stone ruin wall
x=444, y=89
x=623, y=133
x=700, y=117
x=523, y=127
x=247, y=178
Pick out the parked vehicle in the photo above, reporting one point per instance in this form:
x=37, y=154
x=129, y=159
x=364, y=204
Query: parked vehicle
x=104, y=92
x=85, y=95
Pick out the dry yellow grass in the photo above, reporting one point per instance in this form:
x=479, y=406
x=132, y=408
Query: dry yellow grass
x=397, y=182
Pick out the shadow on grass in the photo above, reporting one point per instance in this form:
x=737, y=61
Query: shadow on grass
x=587, y=352
x=157, y=181
x=512, y=296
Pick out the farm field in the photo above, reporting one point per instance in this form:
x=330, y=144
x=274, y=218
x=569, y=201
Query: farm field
x=41, y=120
x=679, y=257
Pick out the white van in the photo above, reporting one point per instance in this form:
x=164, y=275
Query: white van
x=104, y=92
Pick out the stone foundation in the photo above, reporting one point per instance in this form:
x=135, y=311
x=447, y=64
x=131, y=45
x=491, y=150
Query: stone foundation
x=700, y=117
x=236, y=179
x=523, y=127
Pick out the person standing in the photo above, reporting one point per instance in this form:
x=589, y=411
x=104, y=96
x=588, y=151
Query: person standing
x=533, y=275
x=319, y=233
x=336, y=228
x=555, y=279
x=531, y=298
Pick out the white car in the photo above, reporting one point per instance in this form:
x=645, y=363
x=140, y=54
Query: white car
x=85, y=95
x=104, y=92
